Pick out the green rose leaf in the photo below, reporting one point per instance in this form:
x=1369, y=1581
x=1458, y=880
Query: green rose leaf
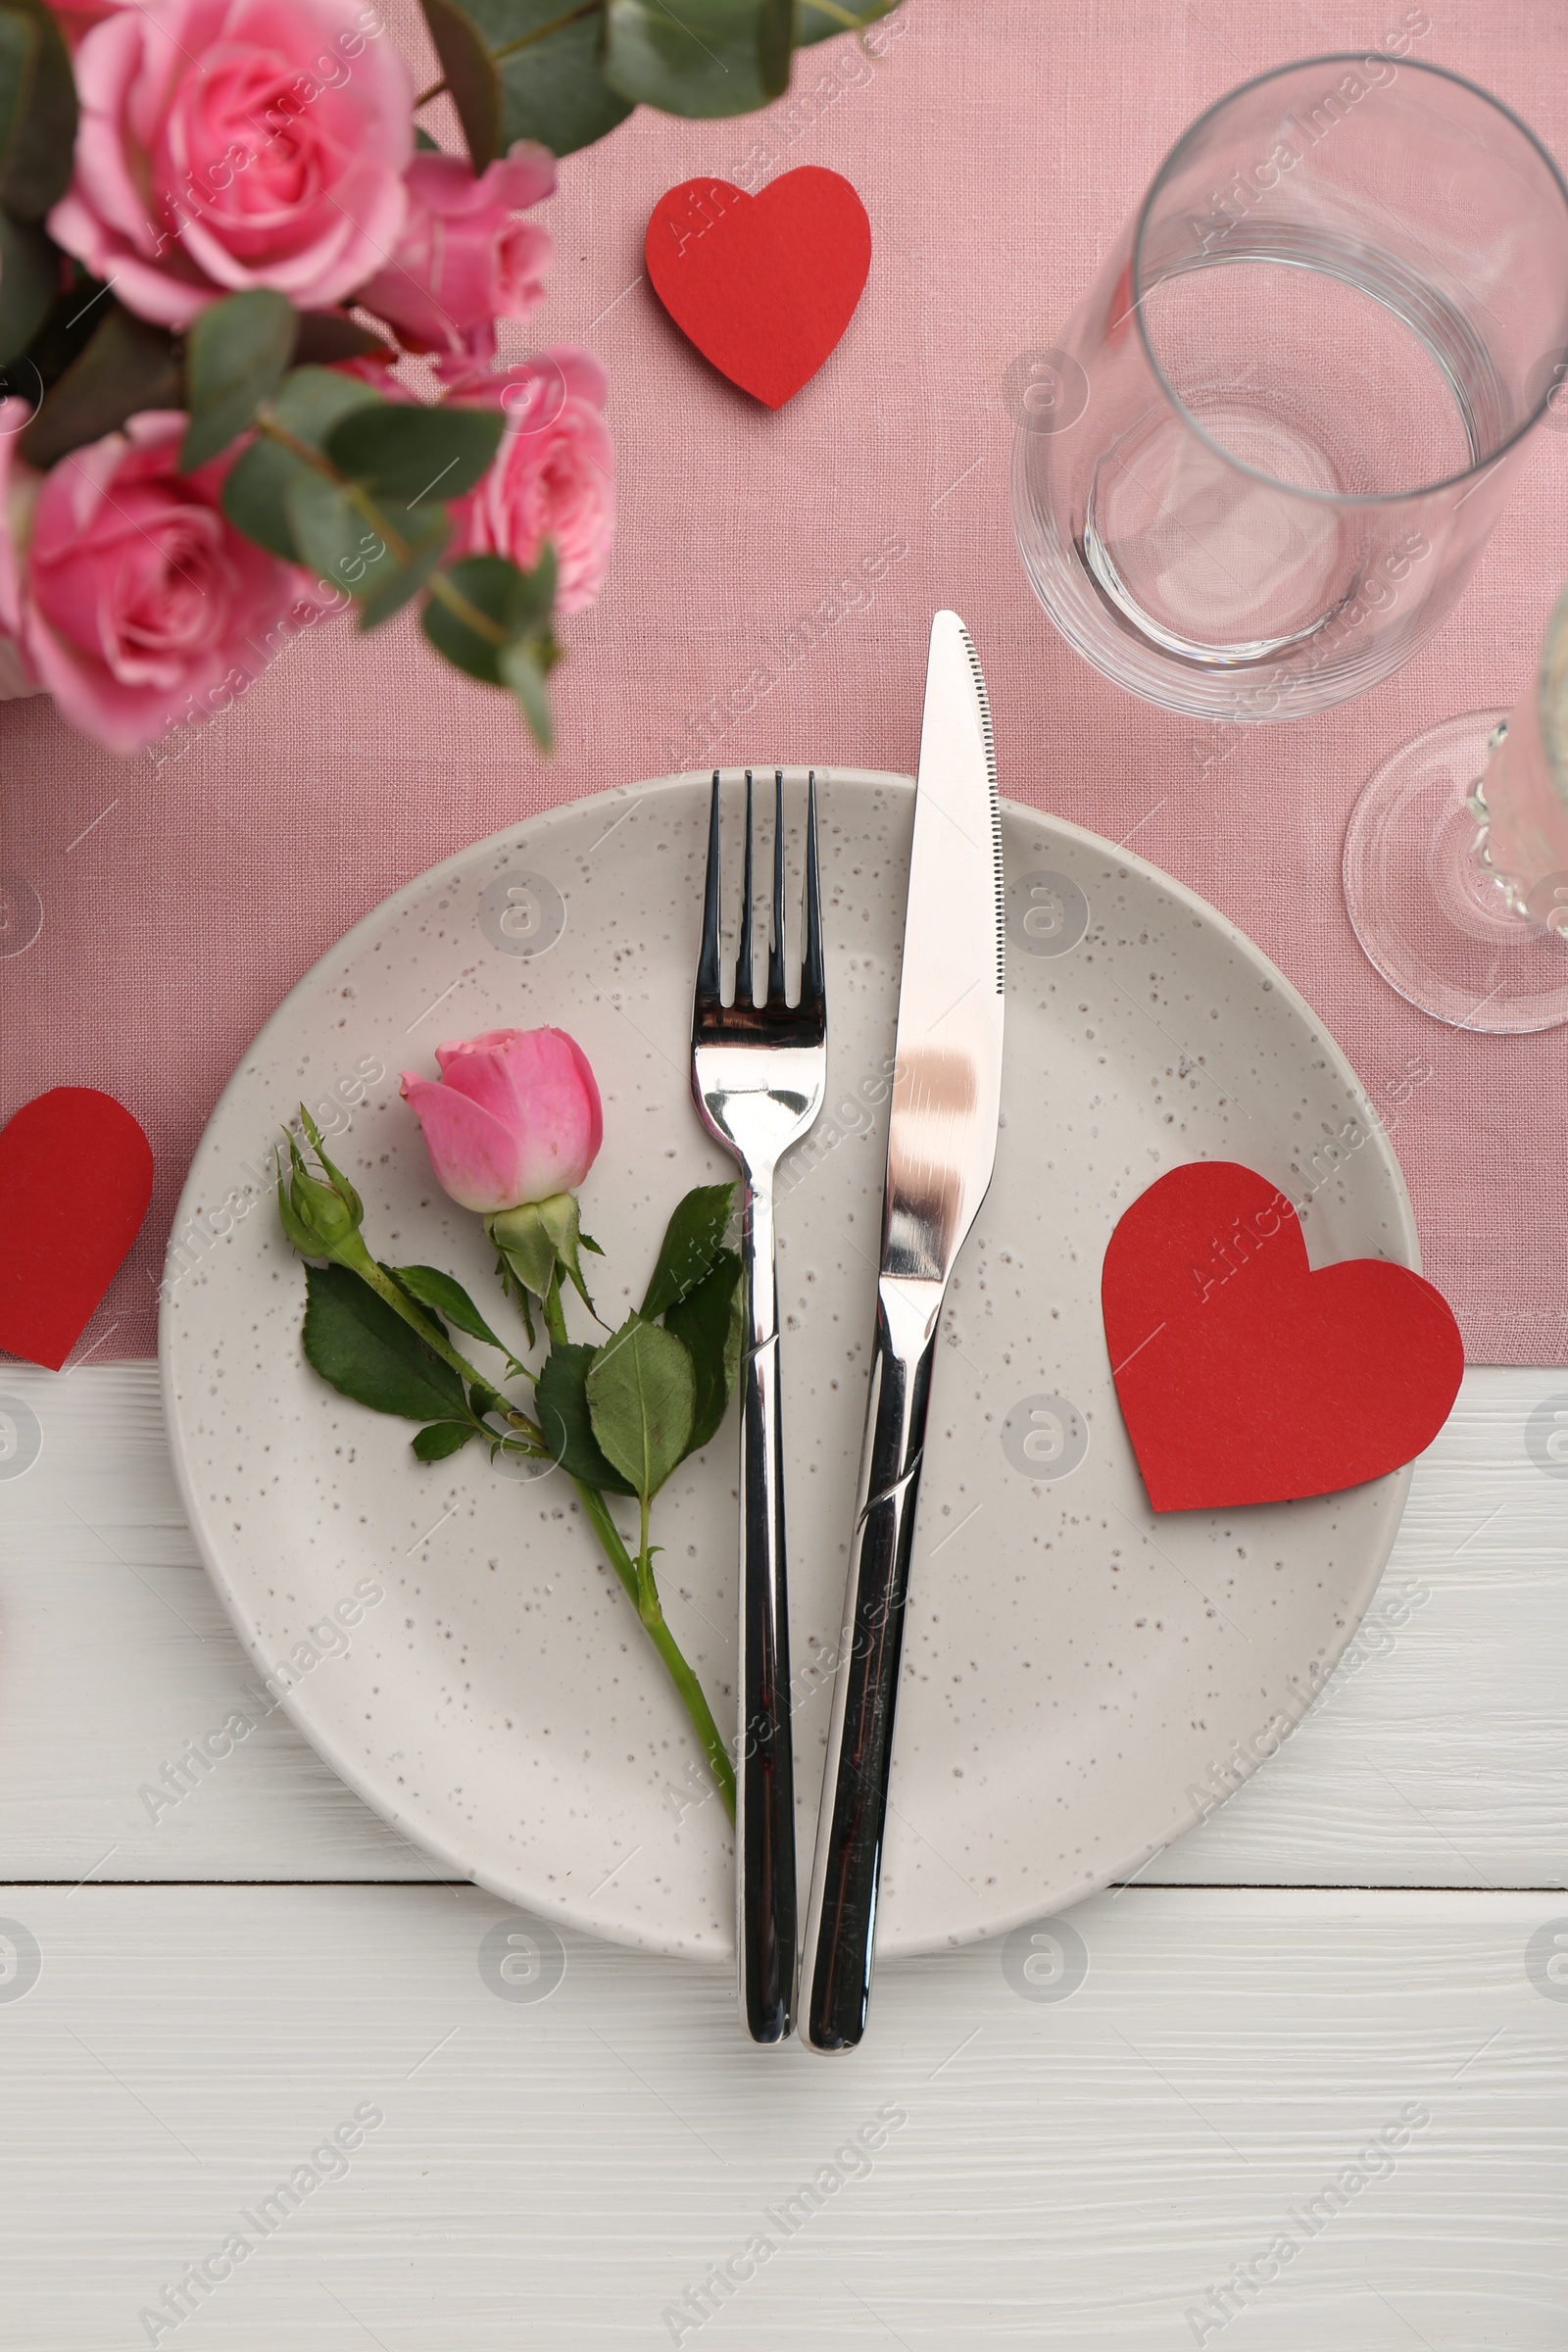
x=561, y=1408
x=407, y=455
x=642, y=1400
x=127, y=365
x=691, y=1246
x=355, y=1342
x=442, y=1438
x=705, y=1322
x=30, y=279
x=820, y=20
x=436, y=1322
x=706, y=57
x=236, y=352
x=450, y=1300
x=517, y=605
x=40, y=130
x=470, y=76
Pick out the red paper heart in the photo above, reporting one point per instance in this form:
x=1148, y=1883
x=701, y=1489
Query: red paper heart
x=1242, y=1376
x=75, y=1177
x=763, y=285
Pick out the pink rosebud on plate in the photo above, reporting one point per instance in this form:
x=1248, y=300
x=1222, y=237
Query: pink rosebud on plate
x=514, y=1117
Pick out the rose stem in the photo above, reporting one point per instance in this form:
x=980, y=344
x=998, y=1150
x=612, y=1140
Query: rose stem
x=638, y=1578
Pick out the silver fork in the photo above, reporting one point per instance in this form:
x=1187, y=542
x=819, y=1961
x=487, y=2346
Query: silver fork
x=758, y=1077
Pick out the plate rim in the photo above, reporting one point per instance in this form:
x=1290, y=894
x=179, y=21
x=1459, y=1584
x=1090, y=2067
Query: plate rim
x=325, y=1745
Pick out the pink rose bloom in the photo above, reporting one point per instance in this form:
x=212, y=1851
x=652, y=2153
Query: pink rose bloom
x=464, y=260
x=134, y=598
x=233, y=143
x=77, y=16
x=554, y=475
x=515, y=1116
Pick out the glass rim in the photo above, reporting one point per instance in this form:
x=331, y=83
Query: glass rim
x=1339, y=498
x=1550, y=680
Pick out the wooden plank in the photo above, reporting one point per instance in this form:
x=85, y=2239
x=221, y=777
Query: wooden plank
x=1438, y=1756
x=1084, y=2159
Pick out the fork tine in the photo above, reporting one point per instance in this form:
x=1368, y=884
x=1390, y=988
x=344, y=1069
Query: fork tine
x=745, y=974
x=814, y=982
x=707, y=981
x=777, y=992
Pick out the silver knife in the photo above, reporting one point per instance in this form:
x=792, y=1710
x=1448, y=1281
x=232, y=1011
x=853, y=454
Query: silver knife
x=942, y=1142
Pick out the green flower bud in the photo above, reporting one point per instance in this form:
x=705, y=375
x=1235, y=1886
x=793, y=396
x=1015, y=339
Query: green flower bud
x=321, y=1219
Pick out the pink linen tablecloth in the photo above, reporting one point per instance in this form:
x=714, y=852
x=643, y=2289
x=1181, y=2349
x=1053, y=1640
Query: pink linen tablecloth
x=998, y=145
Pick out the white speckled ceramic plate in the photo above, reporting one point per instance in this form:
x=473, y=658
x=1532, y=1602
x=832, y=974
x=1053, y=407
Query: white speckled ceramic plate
x=1081, y=1680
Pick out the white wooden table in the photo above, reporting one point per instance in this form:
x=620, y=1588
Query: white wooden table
x=1302, y=2086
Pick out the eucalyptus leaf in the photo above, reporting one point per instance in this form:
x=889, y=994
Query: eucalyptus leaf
x=706, y=57
x=820, y=20
x=547, y=55
x=19, y=53
x=326, y=336
x=78, y=313
x=516, y=603
x=40, y=147
x=333, y=535
x=642, y=1400
x=405, y=455
x=450, y=1300
x=691, y=1246
x=427, y=541
x=520, y=672
x=561, y=1408
x=470, y=77
x=704, y=1321
x=357, y=1342
x=30, y=279
x=127, y=365
x=312, y=401
x=236, y=352
x=254, y=497
x=442, y=1438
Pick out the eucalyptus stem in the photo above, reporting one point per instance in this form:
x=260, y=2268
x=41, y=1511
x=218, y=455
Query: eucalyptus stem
x=460, y=608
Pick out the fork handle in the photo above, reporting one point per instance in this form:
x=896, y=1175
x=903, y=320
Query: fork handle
x=764, y=1780
x=841, y=1922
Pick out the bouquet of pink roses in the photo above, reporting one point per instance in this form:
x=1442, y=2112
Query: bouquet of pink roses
x=220, y=229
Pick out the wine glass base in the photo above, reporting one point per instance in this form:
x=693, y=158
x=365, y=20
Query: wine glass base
x=1427, y=915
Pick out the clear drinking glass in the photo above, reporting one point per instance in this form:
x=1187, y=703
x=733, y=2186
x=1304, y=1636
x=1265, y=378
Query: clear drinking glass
x=1457, y=879
x=1256, y=471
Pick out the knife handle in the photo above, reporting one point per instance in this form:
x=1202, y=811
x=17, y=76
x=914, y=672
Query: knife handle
x=765, y=1918
x=841, y=1924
